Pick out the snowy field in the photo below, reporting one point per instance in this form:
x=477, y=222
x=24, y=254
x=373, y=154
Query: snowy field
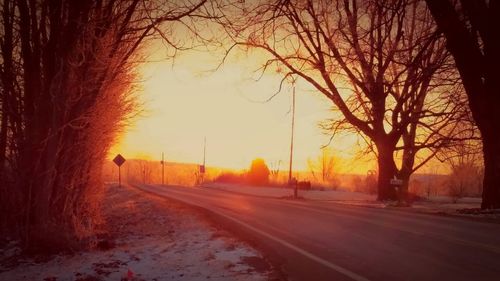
x=150, y=239
x=281, y=192
x=436, y=204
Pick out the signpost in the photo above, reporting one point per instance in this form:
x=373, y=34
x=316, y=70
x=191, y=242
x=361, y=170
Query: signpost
x=162, y=169
x=119, y=160
x=397, y=183
x=202, y=166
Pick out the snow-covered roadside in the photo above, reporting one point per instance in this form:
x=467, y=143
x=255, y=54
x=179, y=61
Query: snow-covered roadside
x=443, y=205
x=149, y=239
x=280, y=192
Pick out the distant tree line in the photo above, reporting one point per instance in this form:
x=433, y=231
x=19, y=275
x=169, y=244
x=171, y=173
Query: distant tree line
x=257, y=175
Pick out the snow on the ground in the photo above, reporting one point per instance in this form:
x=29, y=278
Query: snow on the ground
x=434, y=204
x=152, y=239
x=281, y=192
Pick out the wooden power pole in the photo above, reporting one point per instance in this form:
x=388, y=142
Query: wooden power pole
x=291, y=145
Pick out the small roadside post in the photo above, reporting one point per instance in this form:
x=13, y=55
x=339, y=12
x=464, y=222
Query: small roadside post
x=202, y=167
x=397, y=183
x=119, y=160
x=201, y=174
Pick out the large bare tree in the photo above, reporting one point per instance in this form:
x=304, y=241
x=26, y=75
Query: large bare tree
x=472, y=35
x=67, y=78
x=382, y=64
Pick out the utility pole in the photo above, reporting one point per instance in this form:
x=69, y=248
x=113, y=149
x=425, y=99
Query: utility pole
x=201, y=174
x=291, y=144
x=204, y=150
x=162, y=169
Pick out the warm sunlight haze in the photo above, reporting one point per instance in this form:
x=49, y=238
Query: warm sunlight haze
x=250, y=140
x=185, y=100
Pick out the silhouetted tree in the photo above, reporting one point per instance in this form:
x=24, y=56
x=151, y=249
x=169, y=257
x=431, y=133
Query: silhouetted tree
x=471, y=31
x=67, y=89
x=381, y=63
x=465, y=164
x=464, y=178
x=259, y=172
x=323, y=168
x=275, y=169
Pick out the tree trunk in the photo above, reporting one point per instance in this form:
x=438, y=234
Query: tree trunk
x=484, y=106
x=3, y=140
x=478, y=67
x=386, y=171
x=491, y=181
x=403, y=189
x=7, y=80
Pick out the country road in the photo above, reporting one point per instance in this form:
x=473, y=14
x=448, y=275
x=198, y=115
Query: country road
x=328, y=241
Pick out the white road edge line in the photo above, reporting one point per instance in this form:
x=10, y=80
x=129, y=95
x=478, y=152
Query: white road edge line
x=346, y=272
x=326, y=263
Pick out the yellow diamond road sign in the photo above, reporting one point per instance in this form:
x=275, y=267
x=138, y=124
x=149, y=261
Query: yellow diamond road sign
x=119, y=160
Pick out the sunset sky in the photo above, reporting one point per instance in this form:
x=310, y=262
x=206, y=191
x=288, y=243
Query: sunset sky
x=184, y=102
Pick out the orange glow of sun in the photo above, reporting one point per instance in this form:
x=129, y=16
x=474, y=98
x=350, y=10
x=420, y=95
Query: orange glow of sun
x=184, y=104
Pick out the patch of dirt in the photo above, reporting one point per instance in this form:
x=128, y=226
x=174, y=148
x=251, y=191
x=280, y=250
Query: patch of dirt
x=257, y=263
x=107, y=268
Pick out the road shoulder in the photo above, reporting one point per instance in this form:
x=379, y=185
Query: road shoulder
x=149, y=238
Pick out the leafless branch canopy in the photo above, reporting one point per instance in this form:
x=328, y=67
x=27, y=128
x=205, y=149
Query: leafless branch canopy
x=67, y=80
x=383, y=65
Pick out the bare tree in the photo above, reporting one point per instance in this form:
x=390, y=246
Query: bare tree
x=275, y=170
x=67, y=90
x=471, y=31
x=381, y=63
x=465, y=164
x=323, y=168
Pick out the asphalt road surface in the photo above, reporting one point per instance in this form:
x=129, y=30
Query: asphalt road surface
x=328, y=241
